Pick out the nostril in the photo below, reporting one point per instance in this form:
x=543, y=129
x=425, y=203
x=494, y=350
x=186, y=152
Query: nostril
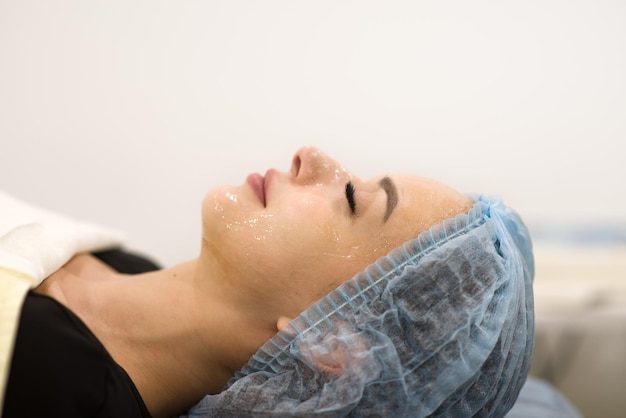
x=295, y=165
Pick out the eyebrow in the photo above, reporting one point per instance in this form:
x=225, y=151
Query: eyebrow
x=392, y=195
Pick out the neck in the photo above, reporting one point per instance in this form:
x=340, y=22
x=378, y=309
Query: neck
x=171, y=330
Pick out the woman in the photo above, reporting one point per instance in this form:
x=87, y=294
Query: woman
x=270, y=249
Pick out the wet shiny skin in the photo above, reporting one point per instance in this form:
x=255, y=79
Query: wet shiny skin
x=306, y=241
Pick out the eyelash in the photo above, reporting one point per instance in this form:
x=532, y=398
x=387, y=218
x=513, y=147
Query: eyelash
x=350, y=196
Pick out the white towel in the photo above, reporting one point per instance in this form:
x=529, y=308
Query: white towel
x=34, y=243
x=38, y=242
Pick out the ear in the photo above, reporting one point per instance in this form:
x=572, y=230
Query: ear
x=281, y=322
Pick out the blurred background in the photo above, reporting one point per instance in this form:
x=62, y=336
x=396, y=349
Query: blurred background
x=126, y=113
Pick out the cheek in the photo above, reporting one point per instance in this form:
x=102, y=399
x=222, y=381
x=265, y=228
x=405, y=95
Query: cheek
x=350, y=254
x=307, y=224
x=302, y=249
x=357, y=252
x=282, y=238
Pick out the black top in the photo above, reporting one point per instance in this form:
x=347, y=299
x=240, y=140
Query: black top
x=60, y=369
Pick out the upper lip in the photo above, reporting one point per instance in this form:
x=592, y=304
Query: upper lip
x=269, y=175
x=260, y=185
x=257, y=183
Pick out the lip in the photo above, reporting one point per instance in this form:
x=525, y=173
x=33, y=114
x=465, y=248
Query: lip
x=257, y=182
x=260, y=185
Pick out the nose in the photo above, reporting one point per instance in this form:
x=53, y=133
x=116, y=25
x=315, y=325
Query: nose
x=312, y=166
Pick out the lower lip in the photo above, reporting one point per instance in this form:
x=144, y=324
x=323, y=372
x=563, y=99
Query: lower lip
x=256, y=182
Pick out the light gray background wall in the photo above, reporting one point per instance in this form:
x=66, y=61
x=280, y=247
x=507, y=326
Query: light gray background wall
x=127, y=112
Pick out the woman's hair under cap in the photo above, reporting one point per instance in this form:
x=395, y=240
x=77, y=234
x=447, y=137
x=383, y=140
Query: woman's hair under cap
x=441, y=326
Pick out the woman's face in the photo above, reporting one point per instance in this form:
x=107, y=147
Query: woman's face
x=289, y=238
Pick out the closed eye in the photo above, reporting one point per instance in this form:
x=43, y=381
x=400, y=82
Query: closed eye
x=350, y=197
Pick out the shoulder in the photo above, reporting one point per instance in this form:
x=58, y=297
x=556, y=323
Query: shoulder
x=59, y=368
